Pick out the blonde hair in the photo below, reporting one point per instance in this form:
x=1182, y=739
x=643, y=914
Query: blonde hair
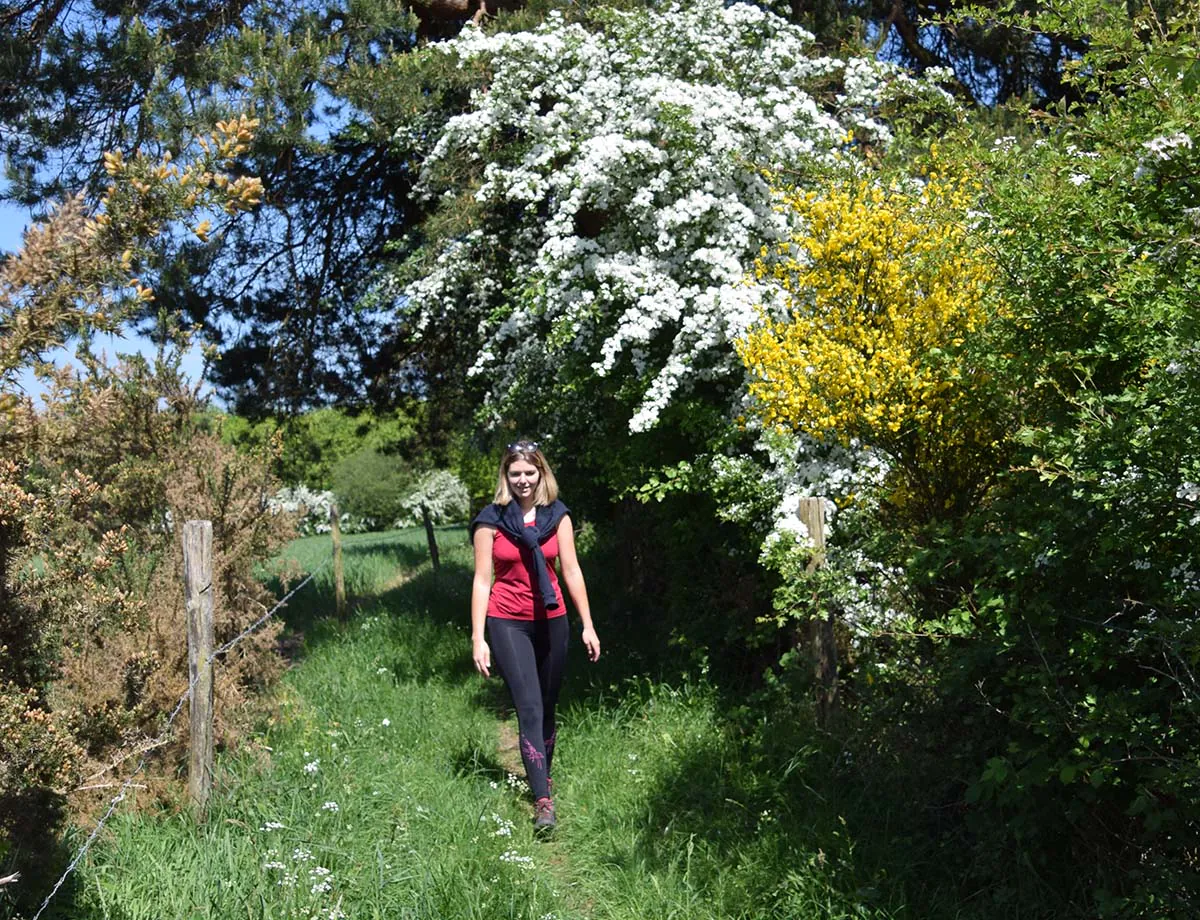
x=524, y=449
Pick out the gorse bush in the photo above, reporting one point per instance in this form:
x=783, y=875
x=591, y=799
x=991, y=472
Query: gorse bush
x=124, y=661
x=92, y=639
x=95, y=642
x=883, y=288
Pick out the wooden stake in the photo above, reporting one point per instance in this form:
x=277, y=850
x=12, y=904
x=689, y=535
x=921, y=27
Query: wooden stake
x=821, y=636
x=339, y=572
x=198, y=591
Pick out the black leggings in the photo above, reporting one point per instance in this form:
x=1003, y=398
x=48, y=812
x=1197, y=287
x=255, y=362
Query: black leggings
x=531, y=656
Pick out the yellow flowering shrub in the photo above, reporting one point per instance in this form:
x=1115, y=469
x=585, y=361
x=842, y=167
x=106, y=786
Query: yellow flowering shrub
x=83, y=266
x=883, y=286
x=92, y=655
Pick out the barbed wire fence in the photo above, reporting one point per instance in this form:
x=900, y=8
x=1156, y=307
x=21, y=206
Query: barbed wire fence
x=168, y=728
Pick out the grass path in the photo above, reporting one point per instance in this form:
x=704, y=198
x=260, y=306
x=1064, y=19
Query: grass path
x=383, y=784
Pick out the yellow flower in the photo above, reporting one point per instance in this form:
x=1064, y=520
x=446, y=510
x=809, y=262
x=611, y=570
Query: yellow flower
x=884, y=286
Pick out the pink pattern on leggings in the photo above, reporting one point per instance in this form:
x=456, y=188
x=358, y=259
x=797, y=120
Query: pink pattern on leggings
x=533, y=754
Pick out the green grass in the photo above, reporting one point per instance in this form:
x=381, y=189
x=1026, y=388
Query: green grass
x=665, y=811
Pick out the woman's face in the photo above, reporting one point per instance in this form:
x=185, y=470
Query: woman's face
x=523, y=479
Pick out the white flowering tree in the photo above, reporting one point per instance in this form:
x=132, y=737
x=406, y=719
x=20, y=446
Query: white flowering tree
x=438, y=495
x=609, y=188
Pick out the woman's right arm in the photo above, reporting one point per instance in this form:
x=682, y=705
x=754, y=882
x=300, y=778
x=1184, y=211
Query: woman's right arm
x=481, y=588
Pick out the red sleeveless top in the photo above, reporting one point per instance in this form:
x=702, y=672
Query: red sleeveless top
x=513, y=596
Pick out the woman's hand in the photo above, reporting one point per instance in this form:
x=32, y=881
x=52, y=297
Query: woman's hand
x=483, y=657
x=592, y=642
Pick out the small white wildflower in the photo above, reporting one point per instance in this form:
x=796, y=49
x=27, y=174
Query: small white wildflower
x=1079, y=179
x=273, y=864
x=512, y=856
x=330, y=807
x=301, y=854
x=312, y=766
x=271, y=826
x=382, y=671
x=516, y=783
x=386, y=722
x=504, y=828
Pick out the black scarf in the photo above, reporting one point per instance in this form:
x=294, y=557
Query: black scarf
x=510, y=520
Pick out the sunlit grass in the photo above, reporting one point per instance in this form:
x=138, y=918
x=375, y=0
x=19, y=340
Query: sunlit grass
x=375, y=788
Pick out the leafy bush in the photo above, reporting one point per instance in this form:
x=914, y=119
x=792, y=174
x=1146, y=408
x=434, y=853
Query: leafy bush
x=1047, y=598
x=312, y=510
x=313, y=443
x=372, y=486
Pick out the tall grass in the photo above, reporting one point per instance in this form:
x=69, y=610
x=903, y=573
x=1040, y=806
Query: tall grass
x=376, y=787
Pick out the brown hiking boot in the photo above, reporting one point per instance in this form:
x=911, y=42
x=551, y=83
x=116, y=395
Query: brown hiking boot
x=544, y=820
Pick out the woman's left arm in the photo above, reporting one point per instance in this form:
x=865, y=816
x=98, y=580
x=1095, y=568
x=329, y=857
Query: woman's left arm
x=573, y=575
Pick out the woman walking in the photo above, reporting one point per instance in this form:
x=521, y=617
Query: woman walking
x=517, y=611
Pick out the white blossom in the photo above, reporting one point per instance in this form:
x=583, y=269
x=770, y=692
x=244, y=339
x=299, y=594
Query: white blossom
x=1164, y=146
x=439, y=492
x=635, y=202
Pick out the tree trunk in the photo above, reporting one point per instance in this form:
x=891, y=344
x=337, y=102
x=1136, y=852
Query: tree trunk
x=821, y=636
x=429, y=536
x=441, y=19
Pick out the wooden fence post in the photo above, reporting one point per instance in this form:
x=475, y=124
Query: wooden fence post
x=821, y=637
x=198, y=590
x=339, y=573
x=430, y=538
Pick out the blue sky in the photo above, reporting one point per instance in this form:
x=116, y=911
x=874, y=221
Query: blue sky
x=13, y=221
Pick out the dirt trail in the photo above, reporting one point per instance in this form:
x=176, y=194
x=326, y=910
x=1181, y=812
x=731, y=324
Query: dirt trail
x=508, y=753
x=508, y=749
